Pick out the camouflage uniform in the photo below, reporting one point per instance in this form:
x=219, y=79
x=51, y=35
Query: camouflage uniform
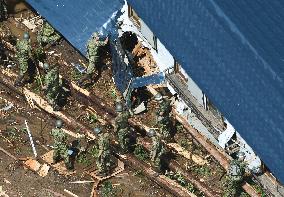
x=52, y=83
x=47, y=35
x=60, y=147
x=103, y=161
x=93, y=57
x=123, y=130
x=164, y=108
x=234, y=178
x=163, y=117
x=163, y=123
x=24, y=53
x=157, y=152
x=121, y=120
x=3, y=10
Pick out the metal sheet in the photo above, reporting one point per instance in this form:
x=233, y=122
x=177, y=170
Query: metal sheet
x=234, y=51
x=77, y=20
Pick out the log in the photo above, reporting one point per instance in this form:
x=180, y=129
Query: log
x=163, y=181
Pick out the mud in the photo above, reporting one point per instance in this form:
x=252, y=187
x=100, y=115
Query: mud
x=126, y=184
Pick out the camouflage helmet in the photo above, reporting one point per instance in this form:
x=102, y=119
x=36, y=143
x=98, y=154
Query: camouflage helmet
x=151, y=133
x=46, y=66
x=118, y=107
x=158, y=97
x=26, y=36
x=58, y=123
x=241, y=156
x=97, y=130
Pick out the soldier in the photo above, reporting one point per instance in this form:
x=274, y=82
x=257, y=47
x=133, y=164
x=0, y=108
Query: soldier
x=235, y=176
x=47, y=35
x=60, y=145
x=157, y=150
x=93, y=56
x=164, y=106
x=3, y=11
x=122, y=128
x=163, y=123
x=103, y=161
x=52, y=86
x=24, y=53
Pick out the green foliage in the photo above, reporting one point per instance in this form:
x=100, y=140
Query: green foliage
x=75, y=74
x=244, y=194
x=13, y=134
x=179, y=127
x=94, y=151
x=92, y=118
x=137, y=173
x=202, y=170
x=259, y=190
x=181, y=180
x=140, y=152
x=184, y=143
x=107, y=189
x=82, y=158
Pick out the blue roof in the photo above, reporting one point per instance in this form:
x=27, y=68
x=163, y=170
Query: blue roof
x=77, y=20
x=234, y=50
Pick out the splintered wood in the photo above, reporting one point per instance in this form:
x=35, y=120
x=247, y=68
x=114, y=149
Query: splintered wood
x=117, y=170
x=195, y=158
x=37, y=167
x=59, y=167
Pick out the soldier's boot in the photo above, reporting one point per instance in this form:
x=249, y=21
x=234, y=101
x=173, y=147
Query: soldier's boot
x=157, y=165
x=56, y=157
x=68, y=164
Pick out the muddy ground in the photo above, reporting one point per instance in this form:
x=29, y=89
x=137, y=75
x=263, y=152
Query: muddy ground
x=14, y=138
x=19, y=181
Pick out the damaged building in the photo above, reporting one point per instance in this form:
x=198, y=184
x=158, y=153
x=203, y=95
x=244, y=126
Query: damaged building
x=228, y=87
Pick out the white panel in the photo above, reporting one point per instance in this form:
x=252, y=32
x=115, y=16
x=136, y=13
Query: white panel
x=195, y=90
x=147, y=33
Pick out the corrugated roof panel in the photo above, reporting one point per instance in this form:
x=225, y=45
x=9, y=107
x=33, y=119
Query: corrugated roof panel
x=77, y=20
x=234, y=50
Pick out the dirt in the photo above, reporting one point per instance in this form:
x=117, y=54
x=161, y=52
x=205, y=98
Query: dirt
x=129, y=183
x=15, y=140
x=18, y=181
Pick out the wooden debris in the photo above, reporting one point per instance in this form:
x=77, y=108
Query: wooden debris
x=55, y=194
x=7, y=153
x=6, y=181
x=32, y=164
x=70, y=193
x=2, y=192
x=83, y=182
x=98, y=179
x=195, y=158
x=29, y=25
x=29, y=100
x=44, y=170
x=59, y=167
x=117, y=170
